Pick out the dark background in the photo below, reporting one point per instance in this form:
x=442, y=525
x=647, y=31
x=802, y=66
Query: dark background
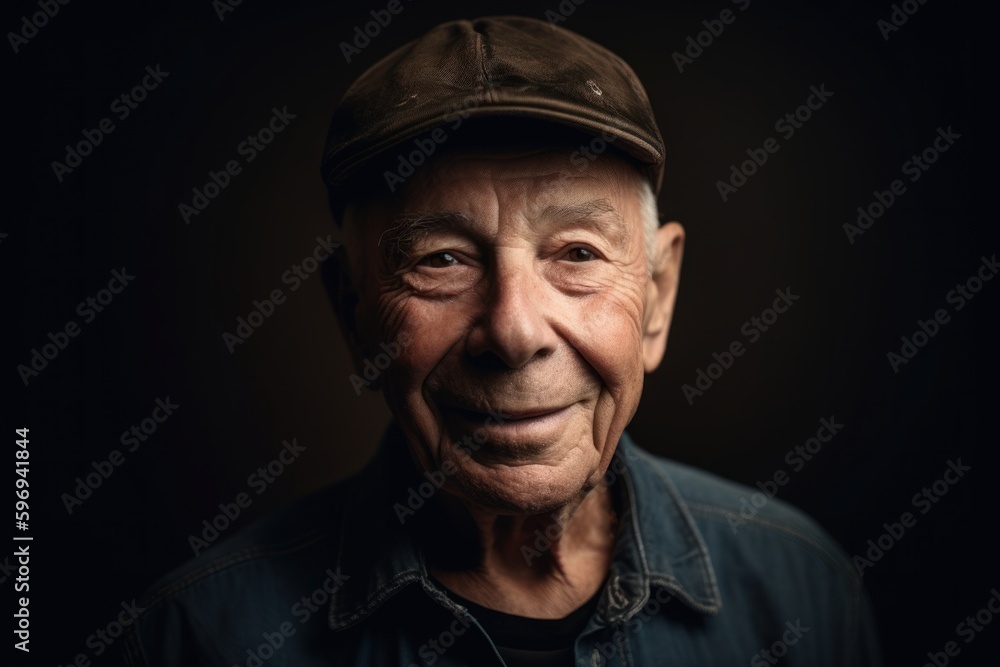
x=162, y=336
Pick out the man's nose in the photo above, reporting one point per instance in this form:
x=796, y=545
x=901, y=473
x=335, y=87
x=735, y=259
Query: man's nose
x=515, y=323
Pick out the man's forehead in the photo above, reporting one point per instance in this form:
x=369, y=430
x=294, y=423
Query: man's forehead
x=544, y=187
x=483, y=193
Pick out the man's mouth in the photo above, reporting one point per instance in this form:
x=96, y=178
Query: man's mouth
x=502, y=415
x=511, y=434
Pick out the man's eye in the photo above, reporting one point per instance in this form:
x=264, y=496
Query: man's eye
x=580, y=255
x=439, y=260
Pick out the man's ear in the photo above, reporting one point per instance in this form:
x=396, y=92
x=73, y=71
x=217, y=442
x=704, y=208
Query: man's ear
x=661, y=292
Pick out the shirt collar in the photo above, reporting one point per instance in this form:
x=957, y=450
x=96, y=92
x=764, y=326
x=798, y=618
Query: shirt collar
x=658, y=545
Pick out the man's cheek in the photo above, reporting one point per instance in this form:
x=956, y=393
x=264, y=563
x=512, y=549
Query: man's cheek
x=419, y=356
x=422, y=344
x=403, y=325
x=611, y=343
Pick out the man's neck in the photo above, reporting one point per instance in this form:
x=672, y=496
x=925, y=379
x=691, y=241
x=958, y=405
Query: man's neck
x=539, y=566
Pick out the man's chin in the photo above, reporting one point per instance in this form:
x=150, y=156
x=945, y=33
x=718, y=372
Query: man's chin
x=516, y=465
x=517, y=490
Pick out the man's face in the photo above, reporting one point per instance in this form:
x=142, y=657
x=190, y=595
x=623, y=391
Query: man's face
x=522, y=295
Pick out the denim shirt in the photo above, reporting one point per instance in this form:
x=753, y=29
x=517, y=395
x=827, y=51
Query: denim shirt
x=337, y=579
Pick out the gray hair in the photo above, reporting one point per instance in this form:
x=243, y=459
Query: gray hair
x=650, y=219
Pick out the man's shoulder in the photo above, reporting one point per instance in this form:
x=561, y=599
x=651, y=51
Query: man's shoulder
x=734, y=518
x=258, y=581
x=767, y=566
x=304, y=525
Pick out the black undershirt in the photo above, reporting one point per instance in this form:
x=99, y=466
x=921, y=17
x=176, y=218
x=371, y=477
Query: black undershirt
x=532, y=642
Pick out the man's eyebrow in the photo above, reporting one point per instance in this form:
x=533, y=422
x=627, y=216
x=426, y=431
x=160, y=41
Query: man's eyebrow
x=599, y=214
x=408, y=229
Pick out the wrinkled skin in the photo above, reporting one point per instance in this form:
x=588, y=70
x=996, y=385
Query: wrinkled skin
x=530, y=319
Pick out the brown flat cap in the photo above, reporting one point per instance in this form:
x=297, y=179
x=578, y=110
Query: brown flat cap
x=501, y=67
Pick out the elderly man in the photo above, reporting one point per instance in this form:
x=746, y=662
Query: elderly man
x=505, y=281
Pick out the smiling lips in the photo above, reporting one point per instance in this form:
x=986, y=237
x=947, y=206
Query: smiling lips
x=503, y=415
x=511, y=434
